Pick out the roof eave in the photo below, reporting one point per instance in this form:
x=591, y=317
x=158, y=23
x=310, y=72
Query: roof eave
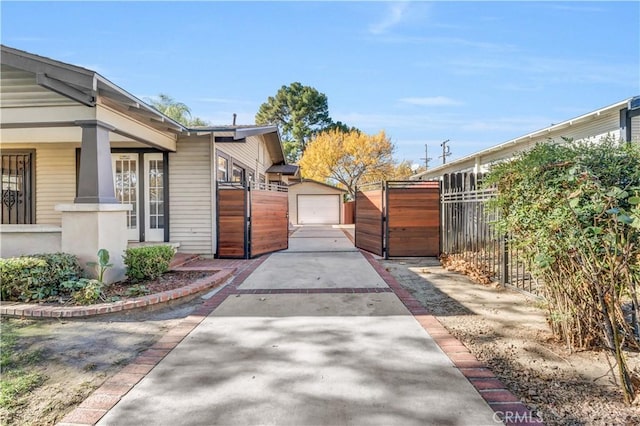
x=527, y=137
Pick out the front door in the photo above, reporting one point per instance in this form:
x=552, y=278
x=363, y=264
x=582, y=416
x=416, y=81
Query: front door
x=132, y=172
x=126, y=183
x=154, y=197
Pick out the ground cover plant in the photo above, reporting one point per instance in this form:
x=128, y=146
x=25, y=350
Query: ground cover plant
x=58, y=277
x=573, y=210
x=37, y=277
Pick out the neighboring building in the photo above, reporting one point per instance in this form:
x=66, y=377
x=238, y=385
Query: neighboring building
x=250, y=153
x=87, y=165
x=620, y=120
x=315, y=203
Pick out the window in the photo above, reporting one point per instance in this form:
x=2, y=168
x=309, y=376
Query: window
x=237, y=174
x=17, y=187
x=156, y=194
x=223, y=169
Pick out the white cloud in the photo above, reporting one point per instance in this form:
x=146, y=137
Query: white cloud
x=397, y=13
x=539, y=70
x=452, y=41
x=438, y=122
x=431, y=101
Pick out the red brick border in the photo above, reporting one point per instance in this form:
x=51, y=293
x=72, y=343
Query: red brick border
x=506, y=406
x=324, y=290
x=92, y=409
x=349, y=236
x=44, y=311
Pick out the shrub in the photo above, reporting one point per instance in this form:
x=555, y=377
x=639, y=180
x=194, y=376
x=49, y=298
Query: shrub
x=573, y=211
x=36, y=277
x=85, y=290
x=147, y=262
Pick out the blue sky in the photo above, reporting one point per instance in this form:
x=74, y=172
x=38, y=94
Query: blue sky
x=477, y=73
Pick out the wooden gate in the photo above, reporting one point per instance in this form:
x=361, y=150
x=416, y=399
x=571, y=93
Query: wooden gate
x=252, y=220
x=399, y=219
x=269, y=221
x=369, y=219
x=413, y=219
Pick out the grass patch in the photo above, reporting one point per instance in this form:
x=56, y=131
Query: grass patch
x=16, y=376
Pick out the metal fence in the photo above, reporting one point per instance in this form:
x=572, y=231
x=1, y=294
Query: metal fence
x=467, y=234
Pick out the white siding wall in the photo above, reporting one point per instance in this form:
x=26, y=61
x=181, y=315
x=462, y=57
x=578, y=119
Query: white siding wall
x=593, y=130
x=635, y=128
x=252, y=153
x=55, y=181
x=191, y=205
x=55, y=178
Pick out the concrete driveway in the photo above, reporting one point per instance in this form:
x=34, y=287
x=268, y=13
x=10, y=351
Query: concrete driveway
x=314, y=336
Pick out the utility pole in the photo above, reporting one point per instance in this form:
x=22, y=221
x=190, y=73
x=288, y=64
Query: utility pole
x=445, y=151
x=426, y=157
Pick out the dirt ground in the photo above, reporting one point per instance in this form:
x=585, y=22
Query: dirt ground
x=503, y=328
x=508, y=332
x=78, y=355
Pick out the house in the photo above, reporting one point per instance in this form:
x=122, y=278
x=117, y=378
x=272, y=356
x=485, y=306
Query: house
x=87, y=165
x=242, y=155
x=314, y=203
x=620, y=120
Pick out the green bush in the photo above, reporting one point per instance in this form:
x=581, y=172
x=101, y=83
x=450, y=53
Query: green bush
x=36, y=277
x=572, y=210
x=147, y=262
x=85, y=291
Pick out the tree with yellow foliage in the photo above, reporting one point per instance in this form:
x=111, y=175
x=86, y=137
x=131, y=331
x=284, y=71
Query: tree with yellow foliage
x=349, y=158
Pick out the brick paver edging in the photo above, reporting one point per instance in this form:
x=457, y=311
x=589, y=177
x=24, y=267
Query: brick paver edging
x=92, y=409
x=506, y=406
x=43, y=311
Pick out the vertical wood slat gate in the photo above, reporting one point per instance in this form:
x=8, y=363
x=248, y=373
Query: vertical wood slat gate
x=399, y=219
x=413, y=219
x=251, y=219
x=369, y=219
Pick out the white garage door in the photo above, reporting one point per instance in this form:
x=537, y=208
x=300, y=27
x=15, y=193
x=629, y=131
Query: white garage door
x=318, y=209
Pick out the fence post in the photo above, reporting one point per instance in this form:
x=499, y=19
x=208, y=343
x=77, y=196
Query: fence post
x=385, y=219
x=504, y=271
x=247, y=218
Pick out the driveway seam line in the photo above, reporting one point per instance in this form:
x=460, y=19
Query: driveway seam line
x=118, y=385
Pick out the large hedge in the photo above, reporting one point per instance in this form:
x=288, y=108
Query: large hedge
x=573, y=210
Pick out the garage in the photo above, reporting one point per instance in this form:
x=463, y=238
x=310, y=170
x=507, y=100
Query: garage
x=318, y=209
x=315, y=203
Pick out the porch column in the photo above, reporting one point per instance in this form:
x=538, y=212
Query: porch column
x=87, y=228
x=95, y=180
x=96, y=220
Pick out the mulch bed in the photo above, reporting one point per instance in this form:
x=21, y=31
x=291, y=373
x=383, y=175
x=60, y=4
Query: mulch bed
x=168, y=281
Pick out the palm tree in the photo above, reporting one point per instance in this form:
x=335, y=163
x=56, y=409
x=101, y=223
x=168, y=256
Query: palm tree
x=175, y=110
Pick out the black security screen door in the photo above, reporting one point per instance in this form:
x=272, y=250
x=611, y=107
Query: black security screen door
x=17, y=187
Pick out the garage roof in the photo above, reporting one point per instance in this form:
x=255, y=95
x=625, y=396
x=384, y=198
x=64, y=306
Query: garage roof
x=285, y=169
x=318, y=183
